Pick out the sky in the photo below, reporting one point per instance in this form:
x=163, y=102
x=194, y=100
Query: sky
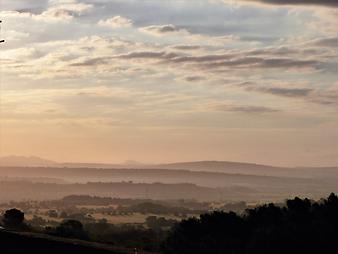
x=170, y=80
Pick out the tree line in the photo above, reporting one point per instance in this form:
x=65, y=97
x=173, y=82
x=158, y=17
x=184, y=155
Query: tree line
x=301, y=226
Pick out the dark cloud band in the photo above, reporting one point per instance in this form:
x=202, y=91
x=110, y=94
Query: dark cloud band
x=330, y=3
x=245, y=109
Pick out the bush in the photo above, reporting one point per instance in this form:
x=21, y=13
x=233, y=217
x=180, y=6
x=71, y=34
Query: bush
x=71, y=229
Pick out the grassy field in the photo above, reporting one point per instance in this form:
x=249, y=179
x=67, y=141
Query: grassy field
x=135, y=218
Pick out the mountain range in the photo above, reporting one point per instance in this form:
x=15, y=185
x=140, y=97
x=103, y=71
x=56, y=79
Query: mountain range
x=203, y=166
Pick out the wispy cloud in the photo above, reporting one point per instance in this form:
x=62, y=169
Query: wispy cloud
x=116, y=22
x=285, y=92
x=163, y=29
x=245, y=109
x=60, y=11
x=327, y=42
x=328, y=3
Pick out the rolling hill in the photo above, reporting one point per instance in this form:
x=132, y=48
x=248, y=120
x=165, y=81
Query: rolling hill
x=22, y=243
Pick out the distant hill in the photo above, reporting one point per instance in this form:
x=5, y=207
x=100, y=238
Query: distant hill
x=34, y=161
x=212, y=164
x=92, y=165
x=18, y=183
x=231, y=187
x=23, y=161
x=216, y=166
x=226, y=167
x=208, y=166
x=253, y=169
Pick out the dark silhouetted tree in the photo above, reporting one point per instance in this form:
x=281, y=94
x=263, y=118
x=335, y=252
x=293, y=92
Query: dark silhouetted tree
x=71, y=229
x=13, y=219
x=301, y=226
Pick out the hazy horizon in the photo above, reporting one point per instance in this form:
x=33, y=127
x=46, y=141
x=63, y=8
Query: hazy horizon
x=13, y=156
x=170, y=81
x=21, y=160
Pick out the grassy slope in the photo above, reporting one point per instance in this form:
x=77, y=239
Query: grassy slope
x=20, y=243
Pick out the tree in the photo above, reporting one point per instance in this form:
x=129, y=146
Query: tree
x=52, y=213
x=72, y=229
x=158, y=223
x=13, y=218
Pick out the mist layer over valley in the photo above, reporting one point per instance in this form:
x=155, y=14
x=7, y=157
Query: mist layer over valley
x=204, y=181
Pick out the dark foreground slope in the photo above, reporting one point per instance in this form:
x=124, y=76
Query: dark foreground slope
x=22, y=243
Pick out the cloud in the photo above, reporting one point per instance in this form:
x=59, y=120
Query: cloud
x=108, y=57
x=149, y=55
x=92, y=62
x=162, y=29
x=57, y=2
x=66, y=10
x=62, y=11
x=56, y=13
x=116, y=22
x=194, y=78
x=186, y=47
x=285, y=92
x=330, y=3
x=13, y=35
x=187, y=36
x=327, y=42
x=327, y=3
x=245, y=109
x=228, y=60
x=328, y=96
x=260, y=62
